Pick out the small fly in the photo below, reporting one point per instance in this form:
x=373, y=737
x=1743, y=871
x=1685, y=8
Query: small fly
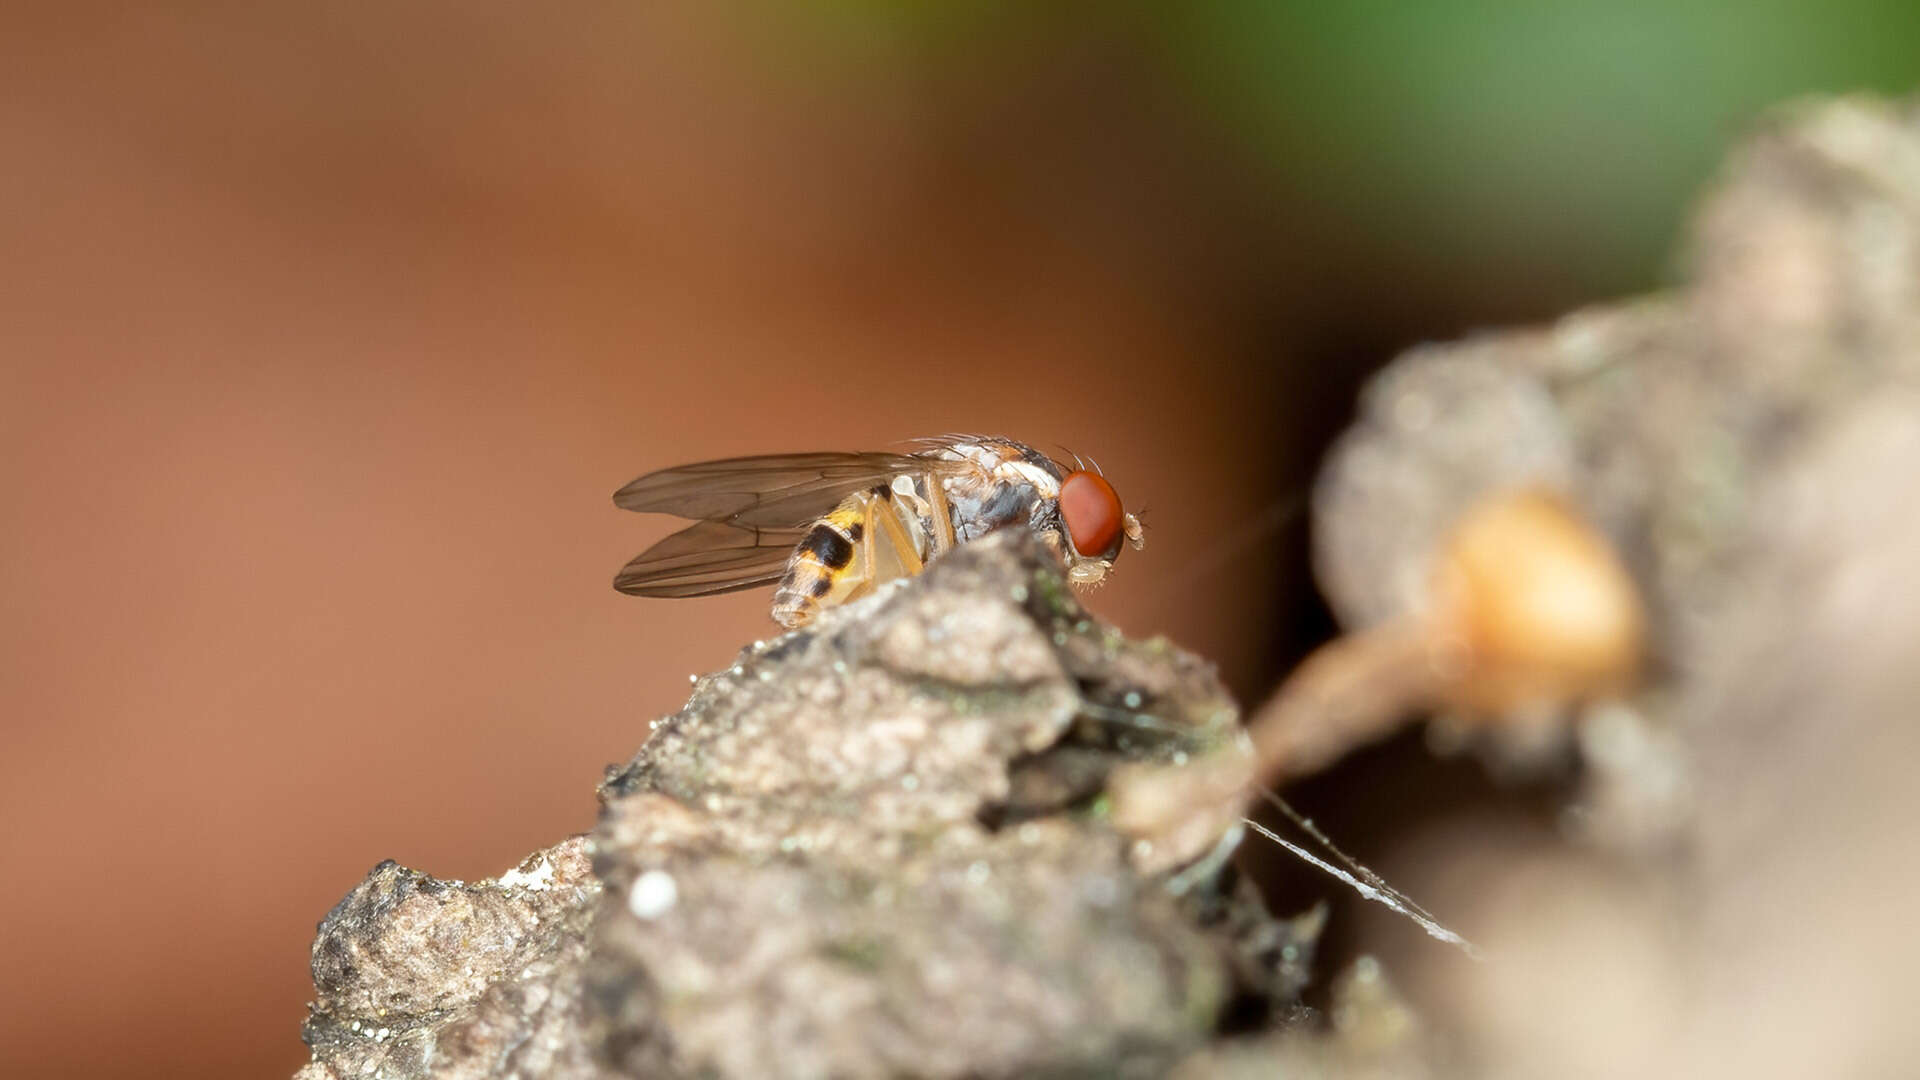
x=830, y=527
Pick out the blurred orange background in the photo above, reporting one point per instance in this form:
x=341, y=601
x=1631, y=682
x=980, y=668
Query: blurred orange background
x=326, y=335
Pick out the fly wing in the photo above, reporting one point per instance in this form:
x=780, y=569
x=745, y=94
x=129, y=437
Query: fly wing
x=775, y=491
x=709, y=558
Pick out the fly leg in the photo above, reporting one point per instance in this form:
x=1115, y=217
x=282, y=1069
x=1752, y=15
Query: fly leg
x=881, y=518
x=870, y=567
x=886, y=551
x=943, y=537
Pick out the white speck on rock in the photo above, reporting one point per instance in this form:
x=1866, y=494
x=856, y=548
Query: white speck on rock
x=653, y=894
x=539, y=879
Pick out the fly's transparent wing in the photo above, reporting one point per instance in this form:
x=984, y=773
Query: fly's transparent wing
x=800, y=486
x=776, y=491
x=709, y=558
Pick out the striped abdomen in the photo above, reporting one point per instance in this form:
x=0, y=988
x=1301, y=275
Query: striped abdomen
x=826, y=568
x=831, y=566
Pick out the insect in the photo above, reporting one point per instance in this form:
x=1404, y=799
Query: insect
x=830, y=527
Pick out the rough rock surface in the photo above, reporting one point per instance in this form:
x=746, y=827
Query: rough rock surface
x=421, y=977
x=872, y=847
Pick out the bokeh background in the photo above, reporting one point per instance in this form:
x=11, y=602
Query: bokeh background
x=326, y=331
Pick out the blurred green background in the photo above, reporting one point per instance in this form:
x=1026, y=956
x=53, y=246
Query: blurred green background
x=1499, y=139
x=1475, y=142
x=1463, y=140
x=326, y=330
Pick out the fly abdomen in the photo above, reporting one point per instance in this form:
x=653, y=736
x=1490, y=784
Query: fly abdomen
x=822, y=567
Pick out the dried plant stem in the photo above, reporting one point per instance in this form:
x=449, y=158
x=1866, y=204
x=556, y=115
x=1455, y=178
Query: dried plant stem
x=1352, y=691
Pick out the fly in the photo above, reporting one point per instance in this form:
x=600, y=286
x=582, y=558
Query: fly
x=826, y=528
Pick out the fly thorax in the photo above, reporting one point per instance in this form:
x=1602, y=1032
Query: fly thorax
x=979, y=512
x=1004, y=488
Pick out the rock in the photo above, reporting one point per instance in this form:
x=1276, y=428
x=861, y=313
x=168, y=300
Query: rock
x=421, y=977
x=873, y=847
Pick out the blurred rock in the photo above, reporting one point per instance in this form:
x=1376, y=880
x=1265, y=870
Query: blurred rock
x=1748, y=444
x=1665, y=420
x=873, y=847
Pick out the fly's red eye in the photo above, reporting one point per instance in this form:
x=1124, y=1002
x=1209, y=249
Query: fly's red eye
x=1091, y=510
